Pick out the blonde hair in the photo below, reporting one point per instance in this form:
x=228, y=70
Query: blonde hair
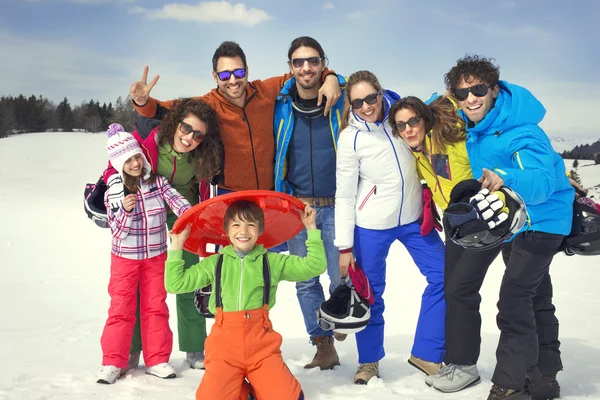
x=355, y=78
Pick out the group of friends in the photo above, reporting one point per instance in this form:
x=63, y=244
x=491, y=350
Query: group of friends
x=371, y=167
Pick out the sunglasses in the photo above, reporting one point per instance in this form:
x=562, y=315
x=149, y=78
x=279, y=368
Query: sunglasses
x=226, y=75
x=412, y=121
x=370, y=99
x=186, y=129
x=479, y=90
x=312, y=61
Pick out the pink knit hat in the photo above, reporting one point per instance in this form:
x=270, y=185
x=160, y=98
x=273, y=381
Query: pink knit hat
x=122, y=146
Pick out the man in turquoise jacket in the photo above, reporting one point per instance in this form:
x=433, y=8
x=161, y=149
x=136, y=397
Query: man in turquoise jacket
x=305, y=162
x=506, y=147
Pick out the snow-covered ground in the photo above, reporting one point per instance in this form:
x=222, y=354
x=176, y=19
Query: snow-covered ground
x=54, y=301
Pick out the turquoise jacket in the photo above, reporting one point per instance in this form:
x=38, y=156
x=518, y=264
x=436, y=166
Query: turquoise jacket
x=509, y=142
x=284, y=126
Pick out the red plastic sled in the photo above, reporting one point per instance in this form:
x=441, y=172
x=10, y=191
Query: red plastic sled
x=283, y=219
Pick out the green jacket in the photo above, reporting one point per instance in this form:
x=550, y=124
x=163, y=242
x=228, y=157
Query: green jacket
x=242, y=279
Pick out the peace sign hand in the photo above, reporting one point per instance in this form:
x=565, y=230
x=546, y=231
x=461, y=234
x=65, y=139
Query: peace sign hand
x=140, y=91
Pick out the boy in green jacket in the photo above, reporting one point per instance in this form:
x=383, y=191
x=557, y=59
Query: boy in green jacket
x=242, y=343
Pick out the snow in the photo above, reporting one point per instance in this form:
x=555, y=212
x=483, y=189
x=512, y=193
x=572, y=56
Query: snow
x=55, y=265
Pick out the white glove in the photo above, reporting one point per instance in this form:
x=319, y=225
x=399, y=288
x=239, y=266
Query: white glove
x=116, y=192
x=488, y=207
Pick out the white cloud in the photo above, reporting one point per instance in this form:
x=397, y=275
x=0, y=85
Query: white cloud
x=210, y=11
x=354, y=15
x=328, y=5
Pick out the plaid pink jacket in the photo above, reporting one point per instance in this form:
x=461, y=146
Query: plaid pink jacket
x=142, y=232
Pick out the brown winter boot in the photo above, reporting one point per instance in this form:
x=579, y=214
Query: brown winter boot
x=326, y=357
x=427, y=367
x=365, y=372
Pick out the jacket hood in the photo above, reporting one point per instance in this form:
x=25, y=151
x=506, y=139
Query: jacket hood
x=389, y=98
x=515, y=106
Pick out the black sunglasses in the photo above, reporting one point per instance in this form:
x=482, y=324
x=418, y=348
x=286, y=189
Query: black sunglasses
x=186, y=129
x=370, y=99
x=226, y=75
x=479, y=90
x=312, y=61
x=412, y=121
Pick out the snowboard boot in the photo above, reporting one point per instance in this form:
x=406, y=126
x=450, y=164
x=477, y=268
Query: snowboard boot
x=340, y=337
x=108, y=374
x=426, y=367
x=196, y=360
x=326, y=356
x=545, y=388
x=453, y=378
x=365, y=372
x=499, y=392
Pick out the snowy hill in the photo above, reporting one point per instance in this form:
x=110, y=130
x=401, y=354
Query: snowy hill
x=55, y=265
x=562, y=143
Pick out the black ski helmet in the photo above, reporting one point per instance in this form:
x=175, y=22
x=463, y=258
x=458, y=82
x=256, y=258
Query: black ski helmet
x=584, y=239
x=464, y=227
x=201, y=298
x=344, y=312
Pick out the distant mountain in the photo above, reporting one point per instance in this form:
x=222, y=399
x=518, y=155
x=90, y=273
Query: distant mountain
x=561, y=143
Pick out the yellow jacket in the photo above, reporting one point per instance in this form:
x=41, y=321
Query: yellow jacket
x=443, y=170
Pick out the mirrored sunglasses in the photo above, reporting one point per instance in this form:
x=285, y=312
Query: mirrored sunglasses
x=226, y=75
x=412, y=121
x=479, y=90
x=370, y=99
x=186, y=129
x=312, y=61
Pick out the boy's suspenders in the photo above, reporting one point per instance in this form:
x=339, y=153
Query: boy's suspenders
x=266, y=280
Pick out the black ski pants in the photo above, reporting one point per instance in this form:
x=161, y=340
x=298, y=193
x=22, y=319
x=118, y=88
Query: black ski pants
x=464, y=274
x=528, y=345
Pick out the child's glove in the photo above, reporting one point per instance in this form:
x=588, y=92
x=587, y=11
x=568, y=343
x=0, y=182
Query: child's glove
x=116, y=192
x=490, y=207
x=429, y=218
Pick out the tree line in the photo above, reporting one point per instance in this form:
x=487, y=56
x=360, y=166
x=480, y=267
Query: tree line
x=22, y=114
x=584, y=152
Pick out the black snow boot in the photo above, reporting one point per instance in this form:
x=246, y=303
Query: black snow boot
x=545, y=388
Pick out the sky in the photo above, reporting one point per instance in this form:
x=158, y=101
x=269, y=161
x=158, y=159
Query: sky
x=94, y=49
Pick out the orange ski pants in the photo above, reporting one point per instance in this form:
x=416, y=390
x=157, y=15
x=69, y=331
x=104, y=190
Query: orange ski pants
x=241, y=345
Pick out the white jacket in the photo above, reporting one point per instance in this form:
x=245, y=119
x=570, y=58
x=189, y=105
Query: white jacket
x=377, y=186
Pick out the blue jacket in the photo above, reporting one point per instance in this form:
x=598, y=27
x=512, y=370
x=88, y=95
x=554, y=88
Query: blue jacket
x=509, y=142
x=284, y=127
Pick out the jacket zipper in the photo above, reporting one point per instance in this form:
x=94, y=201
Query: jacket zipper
x=147, y=230
x=241, y=283
x=371, y=192
x=401, y=176
x=251, y=146
x=174, y=170
x=312, y=175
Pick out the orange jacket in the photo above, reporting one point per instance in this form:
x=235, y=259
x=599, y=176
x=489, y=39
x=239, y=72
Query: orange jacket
x=247, y=132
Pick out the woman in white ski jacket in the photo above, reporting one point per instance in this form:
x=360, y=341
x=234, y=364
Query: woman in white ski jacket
x=379, y=200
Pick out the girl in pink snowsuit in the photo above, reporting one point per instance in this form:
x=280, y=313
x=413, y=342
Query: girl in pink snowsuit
x=139, y=245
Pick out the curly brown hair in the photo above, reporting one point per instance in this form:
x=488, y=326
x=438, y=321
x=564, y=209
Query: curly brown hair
x=209, y=153
x=440, y=118
x=472, y=67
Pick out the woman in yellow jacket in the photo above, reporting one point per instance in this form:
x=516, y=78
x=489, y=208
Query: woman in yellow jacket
x=435, y=134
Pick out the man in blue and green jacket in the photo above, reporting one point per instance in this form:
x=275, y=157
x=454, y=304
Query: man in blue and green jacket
x=305, y=162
